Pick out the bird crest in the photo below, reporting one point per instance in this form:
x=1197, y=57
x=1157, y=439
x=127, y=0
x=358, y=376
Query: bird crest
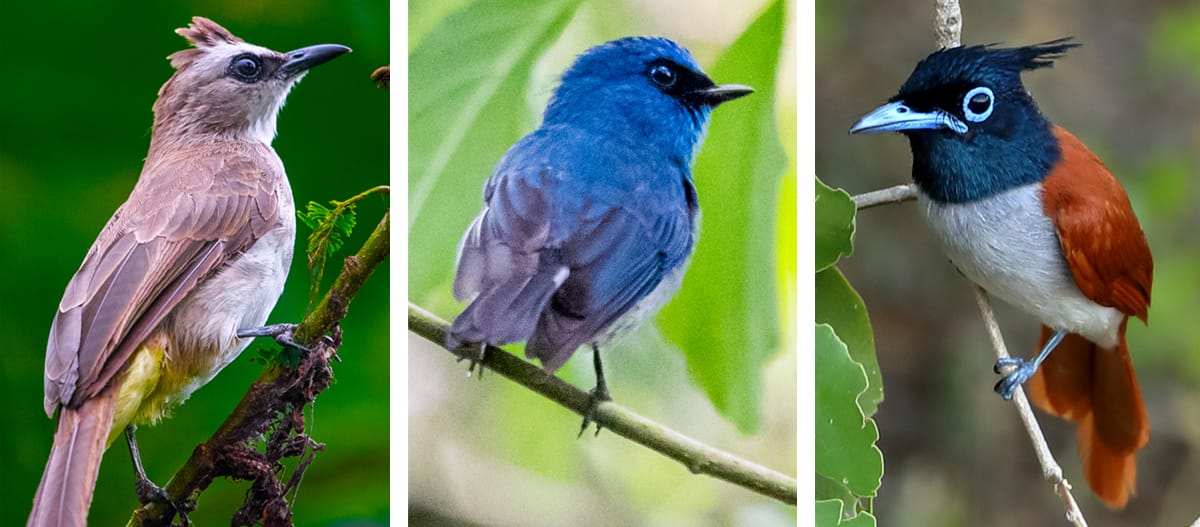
x=202, y=33
x=983, y=62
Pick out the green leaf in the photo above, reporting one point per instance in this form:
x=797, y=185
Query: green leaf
x=330, y=228
x=845, y=437
x=829, y=514
x=839, y=305
x=834, y=225
x=724, y=316
x=468, y=79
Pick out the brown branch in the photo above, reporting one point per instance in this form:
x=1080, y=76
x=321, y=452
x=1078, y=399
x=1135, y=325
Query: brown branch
x=887, y=196
x=273, y=407
x=698, y=457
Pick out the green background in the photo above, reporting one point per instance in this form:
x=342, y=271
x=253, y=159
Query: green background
x=78, y=82
x=717, y=364
x=954, y=453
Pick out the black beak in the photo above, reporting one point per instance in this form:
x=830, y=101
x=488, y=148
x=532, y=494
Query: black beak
x=716, y=95
x=303, y=59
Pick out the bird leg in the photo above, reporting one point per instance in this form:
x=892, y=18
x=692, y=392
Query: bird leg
x=1024, y=369
x=598, y=395
x=147, y=491
x=284, y=335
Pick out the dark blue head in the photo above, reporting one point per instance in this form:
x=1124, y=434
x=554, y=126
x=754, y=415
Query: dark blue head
x=973, y=128
x=648, y=88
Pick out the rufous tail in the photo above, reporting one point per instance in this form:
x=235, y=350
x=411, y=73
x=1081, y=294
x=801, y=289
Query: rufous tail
x=65, y=493
x=1096, y=389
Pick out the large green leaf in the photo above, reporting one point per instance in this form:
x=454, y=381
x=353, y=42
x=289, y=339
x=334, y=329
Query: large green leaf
x=845, y=436
x=839, y=305
x=466, y=106
x=724, y=316
x=834, y=225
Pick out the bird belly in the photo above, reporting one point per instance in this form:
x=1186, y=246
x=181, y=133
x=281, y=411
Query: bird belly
x=658, y=297
x=1006, y=244
x=201, y=332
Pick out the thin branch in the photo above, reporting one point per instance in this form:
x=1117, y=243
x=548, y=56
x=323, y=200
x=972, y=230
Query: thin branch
x=279, y=391
x=947, y=24
x=698, y=457
x=1050, y=468
x=887, y=196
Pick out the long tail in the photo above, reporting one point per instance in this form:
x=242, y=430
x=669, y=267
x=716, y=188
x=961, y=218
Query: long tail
x=1096, y=389
x=65, y=493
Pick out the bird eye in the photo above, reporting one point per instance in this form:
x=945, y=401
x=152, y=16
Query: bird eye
x=977, y=104
x=663, y=76
x=245, y=68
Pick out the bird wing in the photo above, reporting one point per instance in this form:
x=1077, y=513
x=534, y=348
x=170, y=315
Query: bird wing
x=1102, y=240
x=190, y=213
x=564, y=248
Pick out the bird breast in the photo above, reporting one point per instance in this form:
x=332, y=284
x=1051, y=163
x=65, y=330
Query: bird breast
x=1006, y=244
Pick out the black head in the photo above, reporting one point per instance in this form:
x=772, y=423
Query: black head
x=973, y=127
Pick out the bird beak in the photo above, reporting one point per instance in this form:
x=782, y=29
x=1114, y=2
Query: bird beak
x=718, y=94
x=303, y=59
x=898, y=117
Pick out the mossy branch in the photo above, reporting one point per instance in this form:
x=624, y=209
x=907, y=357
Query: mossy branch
x=273, y=409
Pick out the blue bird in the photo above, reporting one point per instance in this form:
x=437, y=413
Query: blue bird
x=590, y=220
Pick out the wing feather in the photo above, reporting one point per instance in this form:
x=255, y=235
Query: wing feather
x=188, y=215
x=1102, y=240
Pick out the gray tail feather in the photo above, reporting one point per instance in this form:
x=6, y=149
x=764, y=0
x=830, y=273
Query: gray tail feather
x=65, y=493
x=507, y=312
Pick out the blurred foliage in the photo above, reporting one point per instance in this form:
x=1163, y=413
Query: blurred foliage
x=956, y=453
x=490, y=452
x=75, y=117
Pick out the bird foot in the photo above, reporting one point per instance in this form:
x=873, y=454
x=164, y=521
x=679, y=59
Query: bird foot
x=1021, y=372
x=284, y=335
x=148, y=492
x=597, y=395
x=476, y=361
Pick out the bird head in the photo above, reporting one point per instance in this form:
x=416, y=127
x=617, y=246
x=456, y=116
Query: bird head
x=973, y=127
x=648, y=88
x=229, y=87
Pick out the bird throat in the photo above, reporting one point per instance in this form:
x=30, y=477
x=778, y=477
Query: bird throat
x=953, y=168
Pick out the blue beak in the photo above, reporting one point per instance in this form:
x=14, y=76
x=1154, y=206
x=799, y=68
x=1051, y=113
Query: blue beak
x=898, y=117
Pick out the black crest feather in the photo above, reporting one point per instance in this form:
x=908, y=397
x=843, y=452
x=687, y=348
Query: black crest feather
x=983, y=63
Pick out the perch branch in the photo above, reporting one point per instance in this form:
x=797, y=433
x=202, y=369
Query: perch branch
x=1050, y=468
x=698, y=457
x=887, y=196
x=280, y=391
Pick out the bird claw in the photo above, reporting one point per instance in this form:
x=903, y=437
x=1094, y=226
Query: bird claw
x=476, y=361
x=284, y=335
x=148, y=492
x=1022, y=372
x=597, y=395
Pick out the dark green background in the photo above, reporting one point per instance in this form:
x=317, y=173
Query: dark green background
x=77, y=82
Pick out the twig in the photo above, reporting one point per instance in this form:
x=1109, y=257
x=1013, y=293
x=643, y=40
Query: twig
x=279, y=390
x=947, y=24
x=1050, y=468
x=698, y=457
x=887, y=196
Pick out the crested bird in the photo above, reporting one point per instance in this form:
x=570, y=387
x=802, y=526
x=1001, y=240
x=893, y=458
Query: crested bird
x=589, y=221
x=1024, y=209
x=187, y=269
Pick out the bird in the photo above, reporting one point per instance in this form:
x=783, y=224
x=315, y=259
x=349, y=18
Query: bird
x=186, y=270
x=1024, y=209
x=590, y=220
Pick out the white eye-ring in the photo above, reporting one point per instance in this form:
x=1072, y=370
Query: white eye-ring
x=978, y=104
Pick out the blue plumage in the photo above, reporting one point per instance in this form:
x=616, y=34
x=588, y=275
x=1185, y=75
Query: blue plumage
x=589, y=220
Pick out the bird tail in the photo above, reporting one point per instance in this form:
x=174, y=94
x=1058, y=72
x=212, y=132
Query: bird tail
x=1096, y=389
x=65, y=493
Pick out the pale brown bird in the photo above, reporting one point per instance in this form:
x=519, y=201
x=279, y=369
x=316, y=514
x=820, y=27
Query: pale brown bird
x=184, y=270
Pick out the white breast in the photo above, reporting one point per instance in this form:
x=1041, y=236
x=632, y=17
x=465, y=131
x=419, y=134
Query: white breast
x=1006, y=244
